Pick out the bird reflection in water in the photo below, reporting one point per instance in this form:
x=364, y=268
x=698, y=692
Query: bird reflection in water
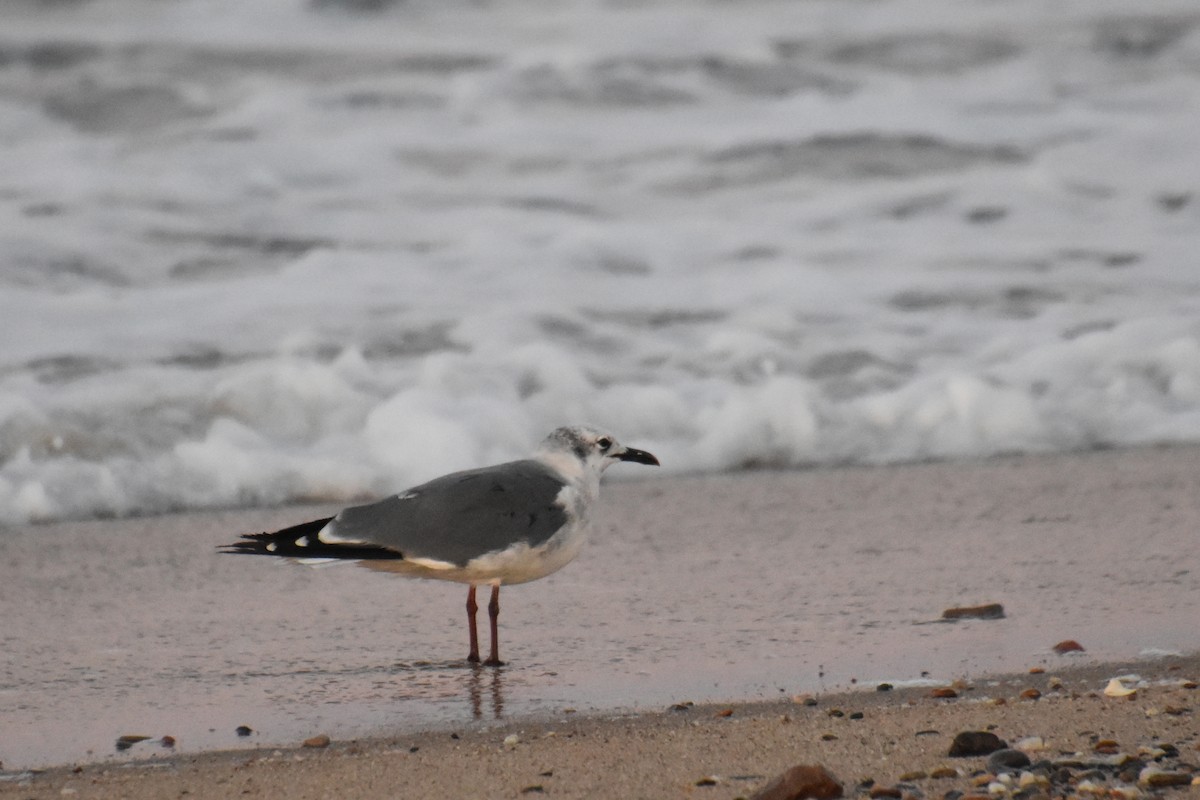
x=489, y=682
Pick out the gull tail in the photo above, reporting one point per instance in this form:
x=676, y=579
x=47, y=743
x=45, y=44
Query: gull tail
x=303, y=541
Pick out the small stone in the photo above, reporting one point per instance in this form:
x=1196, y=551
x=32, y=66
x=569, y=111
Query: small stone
x=976, y=743
x=725, y=712
x=1117, y=688
x=943, y=693
x=320, y=740
x=1031, y=744
x=1007, y=760
x=804, y=781
x=986, y=611
x=1107, y=746
x=1068, y=646
x=512, y=740
x=167, y=741
x=997, y=789
x=707, y=781
x=885, y=791
x=1030, y=780
x=536, y=788
x=67, y=791
x=1125, y=793
x=1155, y=778
x=1036, y=670
x=805, y=700
x=828, y=737
x=1030, y=694
x=129, y=740
x=243, y=730
x=915, y=775
x=940, y=773
x=1054, y=683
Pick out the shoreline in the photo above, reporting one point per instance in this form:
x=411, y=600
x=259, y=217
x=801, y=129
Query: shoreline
x=742, y=587
x=867, y=735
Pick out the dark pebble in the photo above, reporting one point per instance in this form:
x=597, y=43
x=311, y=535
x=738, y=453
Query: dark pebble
x=976, y=743
x=884, y=687
x=987, y=611
x=1007, y=760
x=244, y=730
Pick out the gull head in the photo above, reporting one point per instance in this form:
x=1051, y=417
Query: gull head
x=581, y=450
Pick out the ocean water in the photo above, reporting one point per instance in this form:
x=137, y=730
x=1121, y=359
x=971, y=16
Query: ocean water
x=268, y=251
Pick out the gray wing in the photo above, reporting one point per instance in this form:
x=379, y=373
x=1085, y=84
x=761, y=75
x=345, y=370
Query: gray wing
x=462, y=515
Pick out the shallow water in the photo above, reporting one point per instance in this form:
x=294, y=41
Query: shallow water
x=755, y=586
x=284, y=251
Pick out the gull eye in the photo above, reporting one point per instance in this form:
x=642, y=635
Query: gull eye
x=604, y=443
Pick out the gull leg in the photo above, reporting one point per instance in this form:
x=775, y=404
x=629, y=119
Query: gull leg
x=493, y=616
x=473, y=656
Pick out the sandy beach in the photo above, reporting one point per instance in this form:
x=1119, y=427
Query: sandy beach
x=742, y=591
x=875, y=743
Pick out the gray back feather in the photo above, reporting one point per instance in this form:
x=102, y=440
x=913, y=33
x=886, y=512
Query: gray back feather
x=460, y=516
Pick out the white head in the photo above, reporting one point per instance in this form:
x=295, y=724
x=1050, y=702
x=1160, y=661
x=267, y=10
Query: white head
x=579, y=449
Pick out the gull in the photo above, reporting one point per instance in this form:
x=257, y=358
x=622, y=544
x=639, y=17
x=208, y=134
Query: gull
x=509, y=523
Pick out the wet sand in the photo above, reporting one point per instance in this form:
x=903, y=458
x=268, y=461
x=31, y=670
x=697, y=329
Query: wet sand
x=741, y=588
x=898, y=740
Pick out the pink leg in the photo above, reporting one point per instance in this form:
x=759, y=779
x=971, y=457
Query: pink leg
x=493, y=616
x=473, y=656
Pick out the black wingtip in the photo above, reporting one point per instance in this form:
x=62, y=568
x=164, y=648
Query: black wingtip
x=278, y=543
x=301, y=541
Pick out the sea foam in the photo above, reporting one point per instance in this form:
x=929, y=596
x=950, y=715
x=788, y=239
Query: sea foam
x=370, y=248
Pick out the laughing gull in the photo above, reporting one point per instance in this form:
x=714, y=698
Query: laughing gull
x=511, y=523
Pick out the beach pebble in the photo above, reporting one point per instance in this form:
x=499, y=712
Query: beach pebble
x=943, y=693
x=320, y=740
x=944, y=772
x=1125, y=793
x=885, y=791
x=1030, y=694
x=801, y=782
x=1031, y=744
x=243, y=730
x=129, y=740
x=1117, y=688
x=1156, y=778
x=1030, y=780
x=1006, y=760
x=985, y=611
x=1068, y=646
x=976, y=743
x=512, y=740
